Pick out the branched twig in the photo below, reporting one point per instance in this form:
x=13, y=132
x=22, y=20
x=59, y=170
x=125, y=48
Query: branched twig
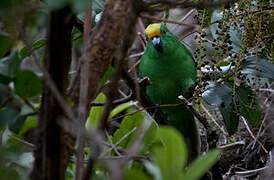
x=212, y=137
x=134, y=149
x=113, y=146
x=115, y=102
x=252, y=135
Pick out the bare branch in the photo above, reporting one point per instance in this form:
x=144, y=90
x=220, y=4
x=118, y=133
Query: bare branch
x=212, y=137
x=83, y=99
x=190, y=3
x=194, y=26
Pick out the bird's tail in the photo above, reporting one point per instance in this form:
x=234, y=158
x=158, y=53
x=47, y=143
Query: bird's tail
x=183, y=120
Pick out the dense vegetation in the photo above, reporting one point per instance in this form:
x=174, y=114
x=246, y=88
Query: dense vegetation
x=72, y=107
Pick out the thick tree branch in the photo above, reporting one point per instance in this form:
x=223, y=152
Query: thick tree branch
x=51, y=156
x=106, y=39
x=83, y=101
x=111, y=34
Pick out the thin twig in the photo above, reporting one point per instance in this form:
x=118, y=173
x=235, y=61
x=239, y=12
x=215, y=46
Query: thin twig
x=134, y=149
x=136, y=55
x=184, y=18
x=261, y=131
x=213, y=119
x=114, y=146
x=113, y=158
x=189, y=3
x=140, y=31
x=212, y=137
x=134, y=66
x=232, y=145
x=195, y=26
x=136, y=157
x=252, y=135
x=250, y=172
x=115, y=102
x=193, y=110
x=23, y=141
x=267, y=90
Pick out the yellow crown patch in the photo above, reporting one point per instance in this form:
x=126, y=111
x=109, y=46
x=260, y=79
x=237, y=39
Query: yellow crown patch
x=153, y=30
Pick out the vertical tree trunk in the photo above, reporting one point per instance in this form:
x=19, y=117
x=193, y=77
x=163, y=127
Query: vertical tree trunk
x=50, y=157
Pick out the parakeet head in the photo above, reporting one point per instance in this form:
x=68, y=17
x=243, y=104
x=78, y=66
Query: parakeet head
x=154, y=33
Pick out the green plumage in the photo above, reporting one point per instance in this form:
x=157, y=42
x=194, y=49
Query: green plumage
x=171, y=71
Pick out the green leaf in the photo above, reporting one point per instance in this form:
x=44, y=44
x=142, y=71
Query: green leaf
x=5, y=94
x=30, y=123
x=24, y=53
x=27, y=84
x=9, y=3
x=134, y=174
x=221, y=96
x=120, y=108
x=9, y=173
x=149, y=137
x=249, y=107
x=26, y=160
x=107, y=75
x=39, y=44
x=199, y=167
x=153, y=170
x=5, y=43
x=129, y=123
x=9, y=66
x=35, y=46
x=231, y=119
x=217, y=94
x=53, y=4
x=98, y=5
x=171, y=155
x=6, y=115
x=95, y=113
x=258, y=66
x=17, y=123
x=80, y=5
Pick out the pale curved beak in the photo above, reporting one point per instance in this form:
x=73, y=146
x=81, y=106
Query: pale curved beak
x=156, y=41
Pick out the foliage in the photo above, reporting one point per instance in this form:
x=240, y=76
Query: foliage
x=235, y=57
x=169, y=157
x=237, y=67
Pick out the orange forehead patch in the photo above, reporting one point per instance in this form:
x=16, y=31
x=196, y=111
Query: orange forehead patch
x=153, y=30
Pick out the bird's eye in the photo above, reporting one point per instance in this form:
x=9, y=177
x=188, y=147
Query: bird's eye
x=146, y=37
x=163, y=31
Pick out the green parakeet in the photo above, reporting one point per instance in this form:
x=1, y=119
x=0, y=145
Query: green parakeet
x=171, y=70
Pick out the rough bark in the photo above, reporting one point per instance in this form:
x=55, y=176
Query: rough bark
x=117, y=18
x=50, y=155
x=111, y=36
